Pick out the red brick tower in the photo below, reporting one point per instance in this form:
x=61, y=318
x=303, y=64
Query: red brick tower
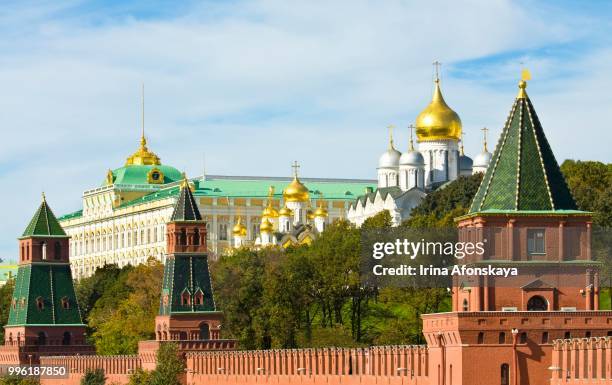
x=501, y=329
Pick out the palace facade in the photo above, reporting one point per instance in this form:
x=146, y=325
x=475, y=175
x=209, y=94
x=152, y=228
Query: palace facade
x=123, y=221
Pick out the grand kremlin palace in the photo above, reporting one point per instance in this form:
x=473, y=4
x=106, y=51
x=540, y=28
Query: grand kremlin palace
x=123, y=221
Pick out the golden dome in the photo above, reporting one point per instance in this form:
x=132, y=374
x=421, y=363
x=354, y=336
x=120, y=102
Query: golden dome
x=239, y=230
x=270, y=212
x=310, y=214
x=143, y=156
x=438, y=121
x=321, y=212
x=296, y=191
x=266, y=226
x=285, y=212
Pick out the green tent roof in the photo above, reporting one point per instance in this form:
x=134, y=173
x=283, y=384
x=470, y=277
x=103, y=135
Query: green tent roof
x=186, y=208
x=44, y=223
x=523, y=174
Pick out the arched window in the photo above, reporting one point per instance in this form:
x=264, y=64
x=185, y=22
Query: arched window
x=57, y=252
x=65, y=303
x=43, y=250
x=537, y=303
x=196, y=237
x=199, y=297
x=66, y=338
x=502, y=338
x=481, y=338
x=42, y=338
x=204, y=331
x=183, y=237
x=505, y=374
x=185, y=298
x=465, y=305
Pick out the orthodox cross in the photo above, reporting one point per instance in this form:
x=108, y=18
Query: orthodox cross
x=295, y=166
x=484, y=132
x=437, y=65
x=390, y=127
x=411, y=127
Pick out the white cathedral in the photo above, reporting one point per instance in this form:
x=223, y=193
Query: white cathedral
x=405, y=179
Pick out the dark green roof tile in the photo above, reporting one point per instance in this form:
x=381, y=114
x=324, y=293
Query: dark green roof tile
x=523, y=174
x=44, y=223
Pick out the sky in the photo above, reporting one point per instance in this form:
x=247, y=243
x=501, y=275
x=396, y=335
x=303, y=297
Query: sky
x=250, y=86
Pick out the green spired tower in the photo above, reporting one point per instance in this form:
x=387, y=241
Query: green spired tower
x=44, y=316
x=187, y=308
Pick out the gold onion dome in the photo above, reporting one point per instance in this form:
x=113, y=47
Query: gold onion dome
x=321, y=212
x=266, y=226
x=270, y=212
x=239, y=230
x=285, y=212
x=143, y=156
x=438, y=121
x=296, y=191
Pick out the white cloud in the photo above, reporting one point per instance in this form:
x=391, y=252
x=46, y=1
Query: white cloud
x=258, y=84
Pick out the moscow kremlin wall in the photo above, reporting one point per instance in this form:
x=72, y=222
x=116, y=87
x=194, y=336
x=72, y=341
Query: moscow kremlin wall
x=546, y=330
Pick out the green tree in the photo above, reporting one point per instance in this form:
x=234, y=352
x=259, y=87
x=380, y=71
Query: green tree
x=94, y=377
x=169, y=366
x=6, y=296
x=140, y=377
x=14, y=380
x=125, y=312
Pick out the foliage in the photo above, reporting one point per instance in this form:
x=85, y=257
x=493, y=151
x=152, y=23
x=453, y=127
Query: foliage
x=169, y=366
x=140, y=377
x=6, y=296
x=123, y=304
x=14, y=380
x=591, y=185
x=94, y=377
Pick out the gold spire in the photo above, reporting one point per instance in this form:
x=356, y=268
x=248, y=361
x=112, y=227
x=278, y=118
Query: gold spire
x=525, y=75
x=185, y=181
x=270, y=211
x=143, y=156
x=44, y=198
x=484, y=134
x=391, y=127
x=296, y=191
x=438, y=121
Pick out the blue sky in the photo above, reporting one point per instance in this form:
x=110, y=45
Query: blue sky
x=254, y=85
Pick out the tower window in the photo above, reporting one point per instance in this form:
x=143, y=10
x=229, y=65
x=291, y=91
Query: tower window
x=505, y=374
x=523, y=338
x=536, y=241
x=545, y=337
x=40, y=303
x=57, y=250
x=465, y=305
x=199, y=297
x=65, y=303
x=502, y=338
x=196, y=237
x=183, y=237
x=568, y=335
x=480, y=338
x=537, y=303
x=185, y=298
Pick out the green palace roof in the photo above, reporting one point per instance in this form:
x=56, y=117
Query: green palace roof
x=140, y=174
x=222, y=186
x=523, y=176
x=44, y=223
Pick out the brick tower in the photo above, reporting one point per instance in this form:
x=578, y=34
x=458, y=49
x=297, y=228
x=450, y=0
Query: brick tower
x=187, y=310
x=501, y=330
x=44, y=316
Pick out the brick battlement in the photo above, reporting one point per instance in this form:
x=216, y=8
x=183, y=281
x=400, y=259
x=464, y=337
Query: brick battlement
x=582, y=361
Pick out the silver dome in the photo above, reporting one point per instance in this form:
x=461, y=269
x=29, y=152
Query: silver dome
x=412, y=158
x=465, y=162
x=483, y=159
x=389, y=158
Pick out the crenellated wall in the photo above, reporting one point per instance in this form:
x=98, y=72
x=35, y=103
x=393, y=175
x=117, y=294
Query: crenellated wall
x=116, y=368
x=585, y=361
x=393, y=364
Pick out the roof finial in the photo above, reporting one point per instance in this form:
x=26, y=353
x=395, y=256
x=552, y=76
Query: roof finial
x=390, y=127
x=295, y=166
x=461, y=151
x=44, y=198
x=143, y=140
x=484, y=134
x=525, y=75
x=436, y=65
x=411, y=146
x=185, y=182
